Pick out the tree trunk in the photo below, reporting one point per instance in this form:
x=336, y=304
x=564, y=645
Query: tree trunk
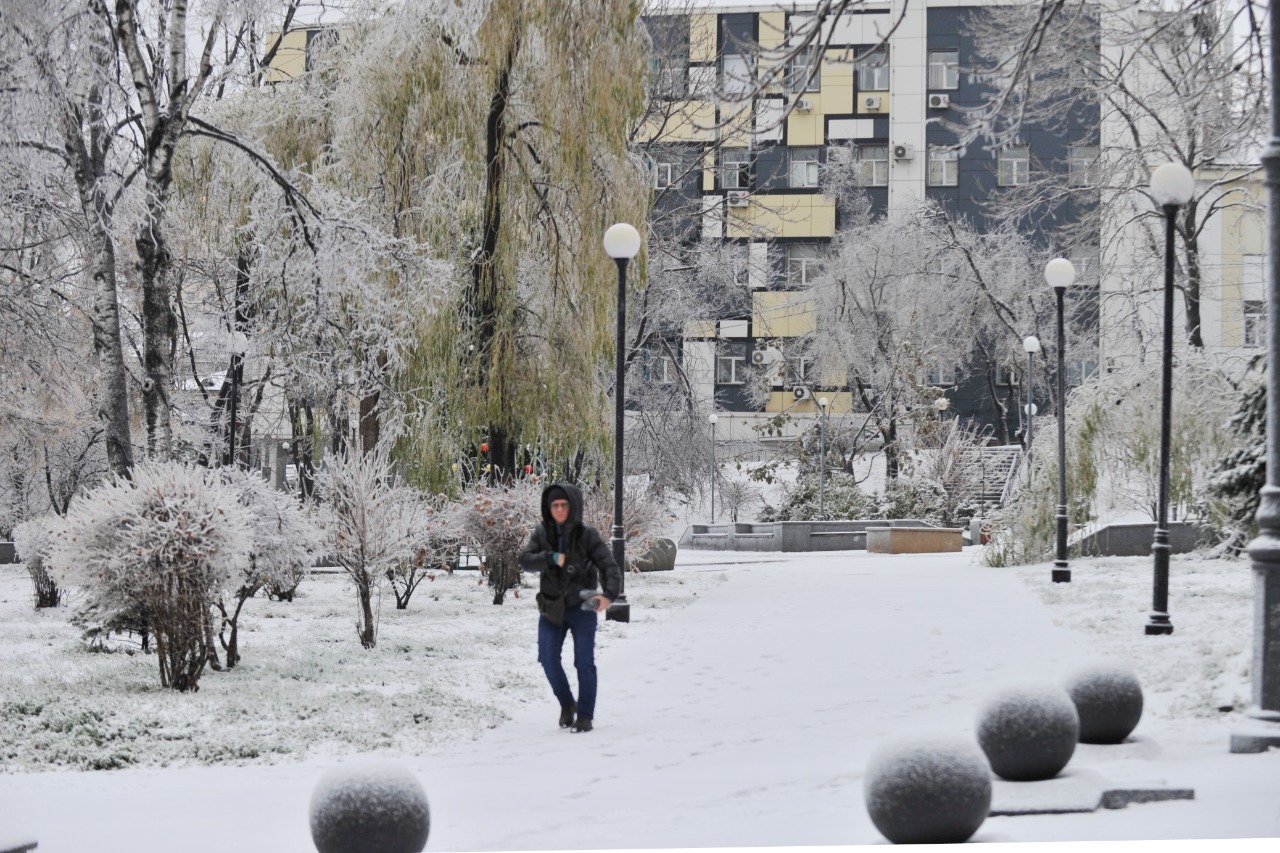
x=368, y=636
x=1191, y=292
x=158, y=327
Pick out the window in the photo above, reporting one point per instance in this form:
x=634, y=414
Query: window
x=737, y=77
x=940, y=374
x=1082, y=165
x=803, y=167
x=798, y=369
x=1079, y=371
x=1005, y=376
x=798, y=70
x=873, y=165
x=944, y=168
x=659, y=366
x=731, y=364
x=665, y=175
x=803, y=262
x=873, y=71
x=735, y=169
x=1014, y=165
x=318, y=41
x=670, y=58
x=944, y=69
x=1255, y=323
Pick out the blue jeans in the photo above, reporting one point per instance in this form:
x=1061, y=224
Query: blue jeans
x=550, y=643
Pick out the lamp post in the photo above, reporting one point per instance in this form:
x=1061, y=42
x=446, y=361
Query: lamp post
x=1264, y=552
x=822, y=460
x=1061, y=274
x=1171, y=187
x=622, y=243
x=711, y=419
x=1031, y=345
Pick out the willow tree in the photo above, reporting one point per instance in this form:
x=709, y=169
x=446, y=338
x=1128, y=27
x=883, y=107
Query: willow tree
x=497, y=133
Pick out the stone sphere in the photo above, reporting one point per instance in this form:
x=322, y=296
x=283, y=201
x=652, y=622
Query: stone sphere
x=928, y=790
x=1108, y=699
x=369, y=807
x=1029, y=732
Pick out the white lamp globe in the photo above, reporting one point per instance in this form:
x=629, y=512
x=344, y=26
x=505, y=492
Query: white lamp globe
x=711, y=419
x=622, y=241
x=1060, y=273
x=1031, y=344
x=1172, y=185
x=822, y=401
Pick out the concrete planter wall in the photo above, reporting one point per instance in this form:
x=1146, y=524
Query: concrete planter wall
x=7, y=553
x=660, y=558
x=914, y=540
x=1134, y=540
x=788, y=536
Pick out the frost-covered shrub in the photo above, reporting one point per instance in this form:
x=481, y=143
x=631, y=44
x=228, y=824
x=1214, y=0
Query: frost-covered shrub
x=371, y=807
x=498, y=520
x=914, y=497
x=161, y=543
x=370, y=528
x=646, y=517
x=32, y=540
x=1108, y=698
x=928, y=790
x=284, y=545
x=1238, y=478
x=1029, y=732
x=434, y=541
x=844, y=500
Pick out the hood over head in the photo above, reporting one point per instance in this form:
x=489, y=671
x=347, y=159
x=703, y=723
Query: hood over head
x=572, y=494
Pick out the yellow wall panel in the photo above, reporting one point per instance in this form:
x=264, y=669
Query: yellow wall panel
x=807, y=128
x=773, y=28
x=290, y=61
x=772, y=216
x=702, y=38
x=684, y=121
x=839, y=402
x=781, y=314
x=700, y=329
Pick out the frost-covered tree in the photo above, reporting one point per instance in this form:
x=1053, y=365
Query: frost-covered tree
x=434, y=546
x=32, y=540
x=163, y=542
x=283, y=549
x=498, y=519
x=370, y=526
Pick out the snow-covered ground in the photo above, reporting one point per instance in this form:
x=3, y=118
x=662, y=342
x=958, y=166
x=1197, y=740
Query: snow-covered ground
x=739, y=708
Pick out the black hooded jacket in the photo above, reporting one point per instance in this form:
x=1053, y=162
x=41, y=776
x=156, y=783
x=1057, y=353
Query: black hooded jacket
x=588, y=560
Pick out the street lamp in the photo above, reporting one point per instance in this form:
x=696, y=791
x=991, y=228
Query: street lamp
x=822, y=460
x=622, y=243
x=1264, y=551
x=711, y=419
x=1060, y=274
x=1030, y=345
x=1171, y=187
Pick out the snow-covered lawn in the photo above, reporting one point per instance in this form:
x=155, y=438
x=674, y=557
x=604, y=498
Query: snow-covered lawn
x=739, y=708
x=450, y=667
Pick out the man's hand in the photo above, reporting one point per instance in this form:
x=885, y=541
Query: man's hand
x=602, y=603
x=559, y=559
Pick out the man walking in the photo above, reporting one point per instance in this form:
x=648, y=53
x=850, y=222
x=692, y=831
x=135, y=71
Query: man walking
x=572, y=558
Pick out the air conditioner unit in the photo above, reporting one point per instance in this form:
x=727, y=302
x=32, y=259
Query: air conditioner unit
x=803, y=105
x=871, y=102
x=737, y=198
x=939, y=102
x=903, y=152
x=801, y=393
x=758, y=357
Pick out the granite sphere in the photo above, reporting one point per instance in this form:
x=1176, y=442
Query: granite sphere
x=369, y=807
x=1029, y=732
x=1108, y=698
x=928, y=790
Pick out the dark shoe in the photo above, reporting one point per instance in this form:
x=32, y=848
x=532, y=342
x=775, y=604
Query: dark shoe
x=583, y=724
x=566, y=714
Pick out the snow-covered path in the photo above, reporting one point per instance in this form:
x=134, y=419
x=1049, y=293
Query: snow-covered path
x=746, y=721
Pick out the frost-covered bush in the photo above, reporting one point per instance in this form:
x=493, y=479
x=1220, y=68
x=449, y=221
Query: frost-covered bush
x=646, y=517
x=844, y=500
x=370, y=528
x=1029, y=732
x=434, y=540
x=161, y=543
x=1108, y=698
x=914, y=497
x=32, y=540
x=498, y=520
x=1238, y=478
x=928, y=790
x=370, y=807
x=284, y=545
